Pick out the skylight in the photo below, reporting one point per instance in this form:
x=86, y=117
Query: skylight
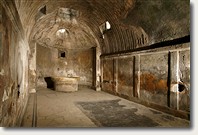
x=61, y=31
x=108, y=25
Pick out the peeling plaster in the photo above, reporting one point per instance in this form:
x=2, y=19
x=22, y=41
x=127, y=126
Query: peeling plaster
x=2, y=72
x=5, y=96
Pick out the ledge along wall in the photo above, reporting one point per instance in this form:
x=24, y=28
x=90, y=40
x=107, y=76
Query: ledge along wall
x=157, y=76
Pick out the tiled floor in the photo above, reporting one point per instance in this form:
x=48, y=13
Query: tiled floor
x=88, y=108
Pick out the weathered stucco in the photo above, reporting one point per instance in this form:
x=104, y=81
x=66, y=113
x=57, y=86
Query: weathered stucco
x=14, y=76
x=130, y=59
x=76, y=63
x=125, y=76
x=184, y=73
x=161, y=79
x=153, y=78
x=108, y=73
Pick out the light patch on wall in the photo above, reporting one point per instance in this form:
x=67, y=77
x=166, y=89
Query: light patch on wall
x=5, y=96
x=2, y=72
x=71, y=73
x=22, y=67
x=83, y=78
x=32, y=91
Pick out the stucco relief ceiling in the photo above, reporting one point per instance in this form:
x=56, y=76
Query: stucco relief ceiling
x=62, y=29
x=80, y=20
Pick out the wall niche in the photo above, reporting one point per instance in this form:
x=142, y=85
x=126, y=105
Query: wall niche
x=62, y=54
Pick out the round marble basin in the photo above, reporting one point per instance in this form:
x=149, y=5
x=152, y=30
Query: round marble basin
x=65, y=84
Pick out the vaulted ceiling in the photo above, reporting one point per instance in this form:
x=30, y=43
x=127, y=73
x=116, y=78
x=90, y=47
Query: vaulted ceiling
x=134, y=23
x=79, y=19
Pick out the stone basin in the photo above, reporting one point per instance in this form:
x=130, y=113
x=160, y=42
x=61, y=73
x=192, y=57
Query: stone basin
x=65, y=84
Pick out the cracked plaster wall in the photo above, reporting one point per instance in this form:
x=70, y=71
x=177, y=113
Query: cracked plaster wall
x=13, y=71
x=145, y=77
x=75, y=63
x=133, y=25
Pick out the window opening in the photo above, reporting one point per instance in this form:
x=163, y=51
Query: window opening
x=107, y=25
x=104, y=28
x=43, y=10
x=61, y=54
